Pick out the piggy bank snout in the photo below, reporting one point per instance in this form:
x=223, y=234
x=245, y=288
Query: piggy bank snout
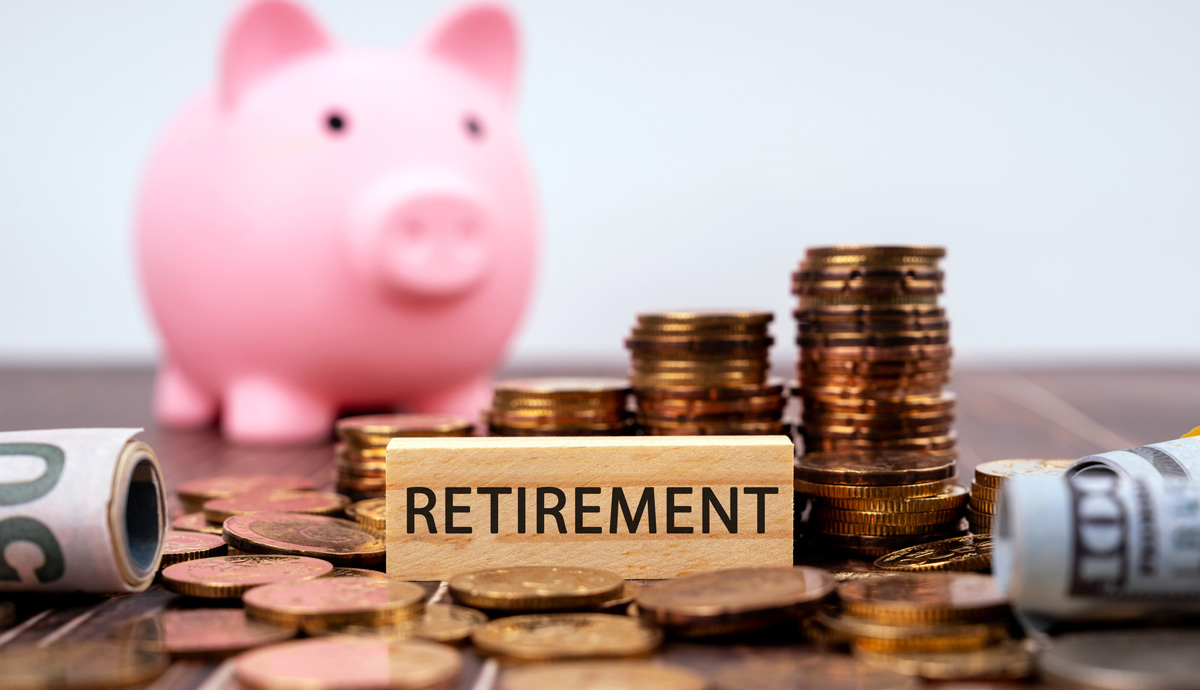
x=429, y=241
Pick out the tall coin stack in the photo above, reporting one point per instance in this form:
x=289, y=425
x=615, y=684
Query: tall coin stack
x=361, y=453
x=705, y=373
x=989, y=481
x=560, y=407
x=874, y=350
x=872, y=503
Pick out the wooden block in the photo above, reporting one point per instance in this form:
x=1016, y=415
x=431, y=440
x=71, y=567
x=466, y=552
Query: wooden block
x=598, y=485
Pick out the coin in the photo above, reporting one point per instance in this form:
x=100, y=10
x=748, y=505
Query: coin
x=987, y=493
x=227, y=577
x=824, y=672
x=708, y=317
x=952, y=497
x=924, y=598
x=893, y=492
x=852, y=529
x=535, y=588
x=188, y=546
x=194, y=493
x=338, y=541
x=871, y=546
x=833, y=517
x=379, y=429
x=628, y=594
x=333, y=602
x=550, y=636
x=873, y=468
x=1009, y=660
x=982, y=506
x=218, y=510
x=201, y=632
x=562, y=387
x=970, y=552
x=344, y=662
x=992, y=474
x=195, y=522
x=875, y=636
x=921, y=250
x=358, y=572
x=1161, y=659
x=603, y=675
x=437, y=622
x=734, y=600
x=78, y=664
x=371, y=512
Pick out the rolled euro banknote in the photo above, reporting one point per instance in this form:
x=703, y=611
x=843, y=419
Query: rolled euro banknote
x=1178, y=459
x=1098, y=545
x=80, y=510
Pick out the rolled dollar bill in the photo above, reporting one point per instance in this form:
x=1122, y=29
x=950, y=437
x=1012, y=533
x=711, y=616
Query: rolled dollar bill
x=1178, y=459
x=1099, y=545
x=80, y=510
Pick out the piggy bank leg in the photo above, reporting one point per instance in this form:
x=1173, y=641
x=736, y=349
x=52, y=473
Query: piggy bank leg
x=180, y=403
x=467, y=400
x=263, y=411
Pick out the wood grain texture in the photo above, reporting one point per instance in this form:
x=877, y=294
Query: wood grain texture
x=632, y=464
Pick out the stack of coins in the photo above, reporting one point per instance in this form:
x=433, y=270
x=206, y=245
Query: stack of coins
x=874, y=350
x=705, y=373
x=870, y=504
x=989, y=480
x=560, y=407
x=362, y=452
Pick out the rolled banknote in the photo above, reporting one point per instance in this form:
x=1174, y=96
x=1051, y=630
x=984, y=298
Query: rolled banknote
x=1178, y=459
x=1098, y=545
x=80, y=510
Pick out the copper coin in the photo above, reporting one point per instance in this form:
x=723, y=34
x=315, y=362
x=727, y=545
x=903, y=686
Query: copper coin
x=378, y=429
x=225, y=577
x=358, y=572
x=338, y=541
x=188, y=546
x=533, y=588
x=321, y=663
x=372, y=469
x=880, y=354
x=550, y=636
x=924, y=598
x=333, y=602
x=892, y=405
x=868, y=312
x=202, y=632
x=218, y=510
x=854, y=446
x=851, y=271
x=772, y=388
x=875, y=468
x=562, y=387
x=372, y=513
x=683, y=343
x=194, y=493
x=360, y=454
x=195, y=522
x=347, y=484
x=707, y=317
x=924, y=250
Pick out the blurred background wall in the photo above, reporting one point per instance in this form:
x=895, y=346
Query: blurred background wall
x=688, y=151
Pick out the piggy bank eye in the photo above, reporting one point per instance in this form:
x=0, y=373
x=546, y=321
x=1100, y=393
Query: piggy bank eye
x=336, y=122
x=474, y=127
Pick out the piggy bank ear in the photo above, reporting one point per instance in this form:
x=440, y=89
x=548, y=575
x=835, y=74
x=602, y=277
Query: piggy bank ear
x=264, y=36
x=481, y=39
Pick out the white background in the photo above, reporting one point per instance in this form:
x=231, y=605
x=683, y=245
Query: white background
x=687, y=153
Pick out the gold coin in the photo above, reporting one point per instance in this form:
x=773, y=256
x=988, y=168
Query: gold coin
x=535, y=588
x=195, y=492
x=948, y=442
x=367, y=455
x=333, y=602
x=218, y=510
x=872, y=546
x=358, y=572
x=851, y=529
x=874, y=433
x=1008, y=660
x=628, y=594
x=188, y=546
x=227, y=577
x=987, y=493
x=968, y=552
x=992, y=474
x=772, y=387
x=379, y=429
x=603, y=675
x=371, y=512
x=78, y=664
x=743, y=429
x=550, y=636
x=437, y=623
x=707, y=317
x=338, y=541
x=981, y=506
x=371, y=469
x=734, y=600
x=980, y=522
x=952, y=497
x=820, y=672
x=924, y=598
x=342, y=662
x=944, y=402
x=832, y=517
x=872, y=468
x=871, y=635
x=894, y=492
x=353, y=484
x=195, y=522
x=202, y=632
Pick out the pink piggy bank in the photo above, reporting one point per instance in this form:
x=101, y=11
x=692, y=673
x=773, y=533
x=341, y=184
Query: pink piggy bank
x=334, y=227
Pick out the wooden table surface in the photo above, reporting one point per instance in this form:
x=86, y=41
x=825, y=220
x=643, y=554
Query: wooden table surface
x=1002, y=413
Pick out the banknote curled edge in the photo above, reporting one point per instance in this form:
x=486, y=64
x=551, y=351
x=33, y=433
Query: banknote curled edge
x=1116, y=538
x=80, y=510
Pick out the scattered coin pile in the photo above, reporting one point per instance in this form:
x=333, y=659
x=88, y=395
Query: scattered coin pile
x=874, y=350
x=361, y=454
x=989, y=481
x=705, y=373
x=560, y=407
x=872, y=503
